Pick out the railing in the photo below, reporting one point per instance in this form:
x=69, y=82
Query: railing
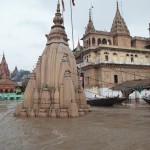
x=113, y=62
x=10, y=96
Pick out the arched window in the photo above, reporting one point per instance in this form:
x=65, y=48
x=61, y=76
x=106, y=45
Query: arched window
x=127, y=54
x=136, y=55
x=115, y=79
x=89, y=42
x=104, y=41
x=114, y=53
x=147, y=56
x=106, y=57
x=87, y=60
x=93, y=41
x=106, y=53
x=109, y=42
x=99, y=41
x=132, y=59
x=98, y=53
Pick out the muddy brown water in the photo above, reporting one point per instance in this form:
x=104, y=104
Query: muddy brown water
x=105, y=128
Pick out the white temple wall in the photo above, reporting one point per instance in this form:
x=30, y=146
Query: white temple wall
x=101, y=92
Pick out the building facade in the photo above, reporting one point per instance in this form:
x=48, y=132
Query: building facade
x=109, y=58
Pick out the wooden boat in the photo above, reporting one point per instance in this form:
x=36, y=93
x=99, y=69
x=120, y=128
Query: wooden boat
x=120, y=100
x=146, y=99
x=108, y=101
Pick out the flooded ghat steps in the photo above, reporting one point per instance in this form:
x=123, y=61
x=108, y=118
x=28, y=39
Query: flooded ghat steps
x=105, y=128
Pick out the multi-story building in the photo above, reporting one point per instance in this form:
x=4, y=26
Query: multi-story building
x=109, y=58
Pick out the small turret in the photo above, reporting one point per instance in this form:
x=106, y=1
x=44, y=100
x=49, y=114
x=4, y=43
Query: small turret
x=120, y=31
x=119, y=26
x=90, y=26
x=57, y=30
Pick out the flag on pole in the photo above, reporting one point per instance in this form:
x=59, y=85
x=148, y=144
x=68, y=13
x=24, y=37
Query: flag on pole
x=63, y=5
x=73, y=3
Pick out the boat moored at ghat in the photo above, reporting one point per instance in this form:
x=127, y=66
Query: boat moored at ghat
x=106, y=101
x=120, y=100
x=146, y=99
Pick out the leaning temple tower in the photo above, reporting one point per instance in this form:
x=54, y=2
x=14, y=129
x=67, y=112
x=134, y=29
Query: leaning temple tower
x=54, y=89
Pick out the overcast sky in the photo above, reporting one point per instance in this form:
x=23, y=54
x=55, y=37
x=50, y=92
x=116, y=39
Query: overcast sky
x=24, y=23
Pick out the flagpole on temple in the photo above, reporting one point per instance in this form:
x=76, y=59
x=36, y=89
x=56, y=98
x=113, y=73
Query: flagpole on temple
x=149, y=30
x=72, y=24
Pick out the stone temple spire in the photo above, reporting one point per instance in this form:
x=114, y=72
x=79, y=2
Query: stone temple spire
x=4, y=68
x=57, y=30
x=58, y=20
x=117, y=6
x=54, y=89
x=3, y=60
x=90, y=27
x=119, y=26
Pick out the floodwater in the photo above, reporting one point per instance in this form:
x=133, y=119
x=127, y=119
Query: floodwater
x=105, y=128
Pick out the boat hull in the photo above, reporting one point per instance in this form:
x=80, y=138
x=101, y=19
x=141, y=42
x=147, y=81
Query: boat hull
x=147, y=100
x=120, y=100
x=102, y=102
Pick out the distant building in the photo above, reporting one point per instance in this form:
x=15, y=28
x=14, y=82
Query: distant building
x=109, y=58
x=15, y=75
x=20, y=78
x=6, y=85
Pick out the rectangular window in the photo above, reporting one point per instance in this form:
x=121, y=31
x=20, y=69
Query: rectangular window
x=115, y=78
x=106, y=57
x=82, y=79
x=87, y=80
x=132, y=60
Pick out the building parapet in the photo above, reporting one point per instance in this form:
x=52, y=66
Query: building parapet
x=140, y=38
x=116, y=48
x=84, y=64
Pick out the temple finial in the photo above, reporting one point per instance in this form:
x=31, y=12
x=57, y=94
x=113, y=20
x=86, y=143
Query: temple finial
x=3, y=54
x=78, y=42
x=117, y=5
x=58, y=19
x=58, y=7
x=90, y=15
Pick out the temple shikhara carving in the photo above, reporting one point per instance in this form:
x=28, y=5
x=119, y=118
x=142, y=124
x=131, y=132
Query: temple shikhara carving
x=54, y=89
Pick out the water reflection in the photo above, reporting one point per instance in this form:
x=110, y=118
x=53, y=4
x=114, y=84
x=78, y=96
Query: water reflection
x=114, y=128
